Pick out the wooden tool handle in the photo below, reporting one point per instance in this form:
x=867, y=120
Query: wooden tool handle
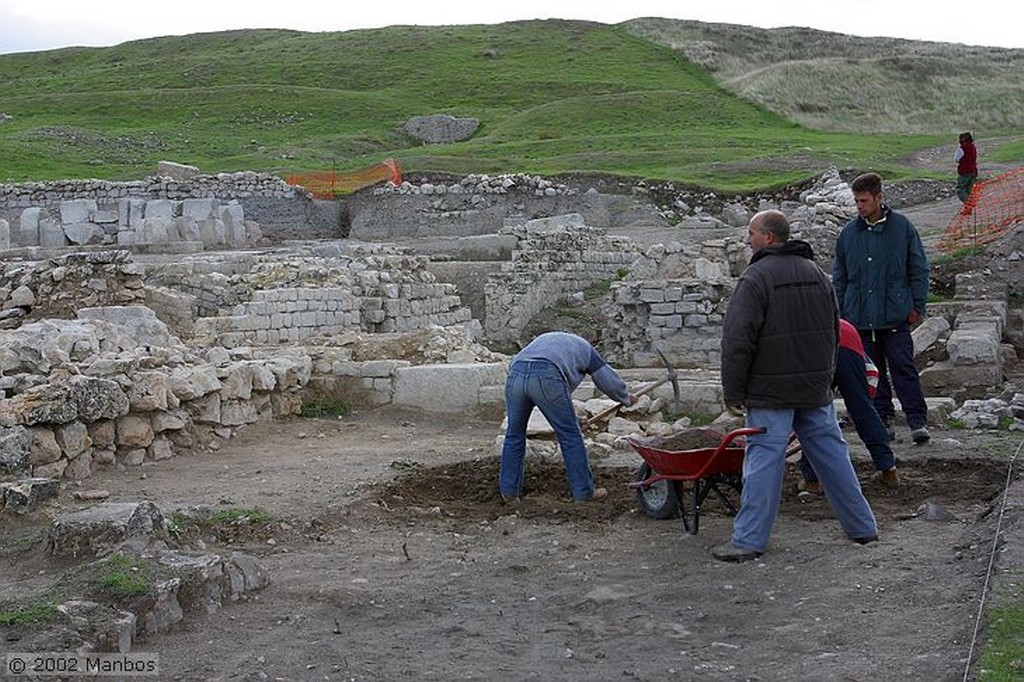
x=608, y=411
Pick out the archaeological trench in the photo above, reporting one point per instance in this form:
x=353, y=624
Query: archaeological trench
x=146, y=320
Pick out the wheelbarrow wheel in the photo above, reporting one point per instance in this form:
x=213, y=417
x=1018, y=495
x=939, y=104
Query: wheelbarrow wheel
x=658, y=500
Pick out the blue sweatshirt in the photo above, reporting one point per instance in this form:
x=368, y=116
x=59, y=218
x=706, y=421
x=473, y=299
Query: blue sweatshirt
x=575, y=357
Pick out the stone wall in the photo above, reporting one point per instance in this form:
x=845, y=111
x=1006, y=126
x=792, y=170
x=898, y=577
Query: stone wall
x=481, y=205
x=279, y=208
x=314, y=291
x=673, y=299
x=190, y=224
x=959, y=346
x=58, y=287
x=555, y=257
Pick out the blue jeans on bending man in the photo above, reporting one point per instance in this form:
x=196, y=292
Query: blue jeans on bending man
x=540, y=384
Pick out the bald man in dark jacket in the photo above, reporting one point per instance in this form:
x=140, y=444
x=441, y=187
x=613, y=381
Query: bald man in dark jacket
x=779, y=342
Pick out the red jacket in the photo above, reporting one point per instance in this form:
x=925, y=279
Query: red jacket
x=968, y=163
x=849, y=338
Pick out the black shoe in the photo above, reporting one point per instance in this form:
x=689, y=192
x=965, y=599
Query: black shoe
x=730, y=552
x=920, y=435
x=865, y=540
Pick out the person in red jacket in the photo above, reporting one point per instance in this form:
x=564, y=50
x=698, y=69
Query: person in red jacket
x=966, y=157
x=856, y=378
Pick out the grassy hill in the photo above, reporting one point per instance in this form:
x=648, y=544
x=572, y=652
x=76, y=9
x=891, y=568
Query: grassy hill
x=552, y=97
x=832, y=81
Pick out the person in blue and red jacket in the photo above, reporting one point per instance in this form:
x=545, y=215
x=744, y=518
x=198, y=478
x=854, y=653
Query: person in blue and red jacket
x=856, y=379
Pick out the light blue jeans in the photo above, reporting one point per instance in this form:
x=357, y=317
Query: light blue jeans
x=765, y=465
x=539, y=383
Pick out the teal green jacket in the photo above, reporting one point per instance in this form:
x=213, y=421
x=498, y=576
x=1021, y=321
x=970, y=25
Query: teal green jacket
x=880, y=272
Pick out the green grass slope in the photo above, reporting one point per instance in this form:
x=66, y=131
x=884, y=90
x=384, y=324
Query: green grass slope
x=552, y=97
x=832, y=81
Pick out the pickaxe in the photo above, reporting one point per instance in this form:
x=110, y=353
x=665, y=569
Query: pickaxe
x=607, y=412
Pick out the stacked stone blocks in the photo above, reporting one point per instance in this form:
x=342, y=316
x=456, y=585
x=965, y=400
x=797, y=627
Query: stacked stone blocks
x=555, y=258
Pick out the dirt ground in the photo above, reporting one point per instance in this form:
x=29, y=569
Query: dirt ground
x=393, y=558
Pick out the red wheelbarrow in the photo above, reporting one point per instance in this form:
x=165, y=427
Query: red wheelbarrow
x=676, y=477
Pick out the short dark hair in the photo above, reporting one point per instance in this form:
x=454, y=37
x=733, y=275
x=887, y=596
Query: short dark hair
x=966, y=137
x=867, y=182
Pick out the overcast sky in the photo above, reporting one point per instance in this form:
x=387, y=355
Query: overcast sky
x=29, y=25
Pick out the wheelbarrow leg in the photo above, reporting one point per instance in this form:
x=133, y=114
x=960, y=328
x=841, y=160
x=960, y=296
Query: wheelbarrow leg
x=688, y=496
x=723, y=485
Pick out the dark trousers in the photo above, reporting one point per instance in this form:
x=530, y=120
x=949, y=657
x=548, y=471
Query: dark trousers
x=852, y=382
x=892, y=350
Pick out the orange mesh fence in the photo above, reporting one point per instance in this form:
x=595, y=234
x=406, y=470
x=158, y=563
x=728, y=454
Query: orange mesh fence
x=993, y=207
x=328, y=184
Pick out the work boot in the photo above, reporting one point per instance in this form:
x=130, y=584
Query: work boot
x=888, y=479
x=598, y=494
x=510, y=499
x=730, y=552
x=812, y=487
x=920, y=435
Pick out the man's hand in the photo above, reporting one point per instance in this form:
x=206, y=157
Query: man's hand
x=736, y=410
x=914, y=317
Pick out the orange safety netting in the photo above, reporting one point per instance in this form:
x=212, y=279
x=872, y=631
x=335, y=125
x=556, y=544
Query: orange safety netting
x=328, y=184
x=993, y=207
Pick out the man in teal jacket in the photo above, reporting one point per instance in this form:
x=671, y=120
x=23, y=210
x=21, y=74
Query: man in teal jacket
x=880, y=276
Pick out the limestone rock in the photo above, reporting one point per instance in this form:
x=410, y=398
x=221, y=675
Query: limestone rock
x=176, y=171
x=14, y=450
x=103, y=628
x=99, y=530
x=24, y=495
x=441, y=128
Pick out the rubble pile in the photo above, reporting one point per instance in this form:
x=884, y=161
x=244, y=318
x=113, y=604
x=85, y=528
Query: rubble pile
x=116, y=387
x=484, y=184
x=57, y=287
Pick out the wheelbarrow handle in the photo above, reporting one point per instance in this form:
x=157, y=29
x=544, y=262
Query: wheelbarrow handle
x=740, y=433
x=792, y=447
